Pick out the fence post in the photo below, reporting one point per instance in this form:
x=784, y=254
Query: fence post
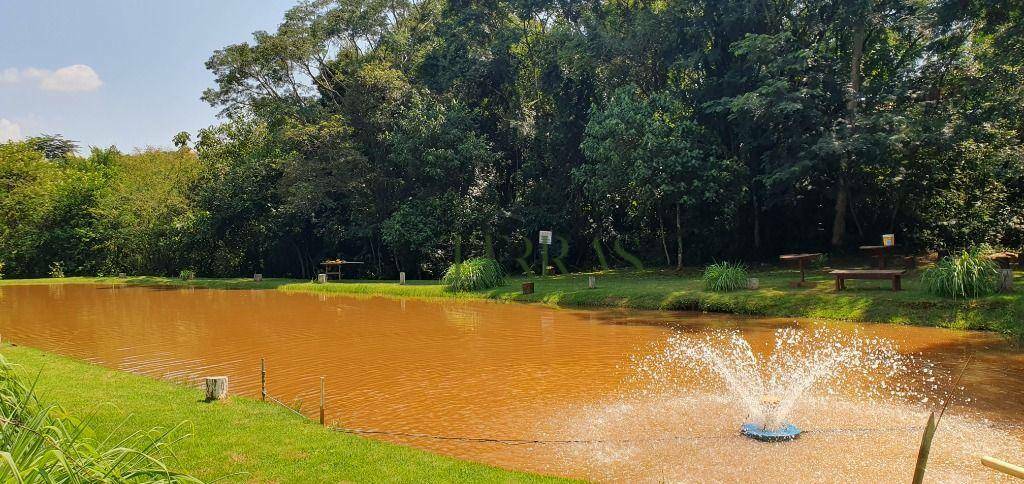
x=263, y=379
x=322, y=421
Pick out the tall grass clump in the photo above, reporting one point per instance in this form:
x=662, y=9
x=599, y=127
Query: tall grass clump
x=969, y=274
x=725, y=276
x=474, y=274
x=42, y=443
x=57, y=270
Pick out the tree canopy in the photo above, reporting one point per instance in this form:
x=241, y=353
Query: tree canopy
x=409, y=134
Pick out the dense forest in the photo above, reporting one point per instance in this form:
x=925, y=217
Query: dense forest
x=408, y=134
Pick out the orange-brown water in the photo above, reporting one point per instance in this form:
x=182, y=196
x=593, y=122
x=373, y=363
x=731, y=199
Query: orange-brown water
x=479, y=369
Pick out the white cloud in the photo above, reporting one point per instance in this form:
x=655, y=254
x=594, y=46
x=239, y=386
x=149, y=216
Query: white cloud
x=73, y=78
x=9, y=130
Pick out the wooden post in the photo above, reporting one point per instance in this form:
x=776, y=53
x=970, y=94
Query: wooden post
x=216, y=387
x=401, y=278
x=263, y=379
x=257, y=277
x=321, y=278
x=322, y=421
x=591, y=282
x=1005, y=280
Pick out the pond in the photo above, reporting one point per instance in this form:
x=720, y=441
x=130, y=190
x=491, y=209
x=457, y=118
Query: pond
x=580, y=382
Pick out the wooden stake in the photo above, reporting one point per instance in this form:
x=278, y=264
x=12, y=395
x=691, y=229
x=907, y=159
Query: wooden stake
x=263, y=379
x=322, y=421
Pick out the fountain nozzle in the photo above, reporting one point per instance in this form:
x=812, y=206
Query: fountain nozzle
x=770, y=430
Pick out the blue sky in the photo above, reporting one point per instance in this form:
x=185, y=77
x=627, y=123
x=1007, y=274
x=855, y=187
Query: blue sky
x=117, y=72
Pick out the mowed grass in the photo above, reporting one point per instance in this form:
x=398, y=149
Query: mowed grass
x=667, y=290
x=239, y=439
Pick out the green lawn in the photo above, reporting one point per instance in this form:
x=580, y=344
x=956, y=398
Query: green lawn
x=862, y=301
x=246, y=440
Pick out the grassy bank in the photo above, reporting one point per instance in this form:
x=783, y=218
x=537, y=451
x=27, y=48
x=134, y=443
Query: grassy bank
x=244, y=439
x=862, y=301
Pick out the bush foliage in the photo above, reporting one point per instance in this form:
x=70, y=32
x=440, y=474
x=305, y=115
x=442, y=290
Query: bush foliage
x=969, y=274
x=725, y=276
x=474, y=274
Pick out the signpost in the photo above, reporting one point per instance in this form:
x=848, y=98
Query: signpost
x=545, y=241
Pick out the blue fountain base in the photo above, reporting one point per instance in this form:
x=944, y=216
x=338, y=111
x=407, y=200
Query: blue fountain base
x=754, y=431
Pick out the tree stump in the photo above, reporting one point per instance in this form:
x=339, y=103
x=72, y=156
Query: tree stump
x=1005, y=280
x=121, y=275
x=321, y=278
x=591, y=282
x=216, y=387
x=754, y=283
x=401, y=278
x=257, y=277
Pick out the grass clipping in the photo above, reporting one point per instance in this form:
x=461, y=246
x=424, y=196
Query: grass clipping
x=724, y=277
x=967, y=275
x=473, y=274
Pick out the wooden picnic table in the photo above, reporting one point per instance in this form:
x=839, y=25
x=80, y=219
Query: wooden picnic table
x=336, y=265
x=801, y=260
x=880, y=252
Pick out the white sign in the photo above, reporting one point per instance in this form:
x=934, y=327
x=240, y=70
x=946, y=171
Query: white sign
x=545, y=237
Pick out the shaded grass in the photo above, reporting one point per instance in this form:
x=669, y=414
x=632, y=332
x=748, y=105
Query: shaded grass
x=869, y=301
x=243, y=439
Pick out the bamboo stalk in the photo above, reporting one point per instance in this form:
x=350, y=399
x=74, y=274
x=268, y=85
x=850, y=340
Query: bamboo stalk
x=926, y=447
x=1002, y=466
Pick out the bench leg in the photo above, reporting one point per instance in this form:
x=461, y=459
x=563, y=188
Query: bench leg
x=896, y=283
x=840, y=285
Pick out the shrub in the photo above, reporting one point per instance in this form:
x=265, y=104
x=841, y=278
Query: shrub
x=970, y=274
x=474, y=274
x=725, y=276
x=42, y=443
x=1, y=269
x=57, y=270
x=187, y=274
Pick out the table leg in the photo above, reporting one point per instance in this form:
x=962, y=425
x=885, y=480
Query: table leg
x=801, y=262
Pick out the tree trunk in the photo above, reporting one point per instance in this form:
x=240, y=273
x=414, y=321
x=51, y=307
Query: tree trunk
x=664, y=243
x=843, y=192
x=679, y=240
x=757, y=224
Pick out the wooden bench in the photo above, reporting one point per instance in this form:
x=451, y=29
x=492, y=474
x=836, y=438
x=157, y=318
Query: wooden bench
x=843, y=274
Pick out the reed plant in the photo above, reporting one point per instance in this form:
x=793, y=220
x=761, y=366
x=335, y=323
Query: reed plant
x=724, y=277
x=42, y=443
x=966, y=275
x=474, y=274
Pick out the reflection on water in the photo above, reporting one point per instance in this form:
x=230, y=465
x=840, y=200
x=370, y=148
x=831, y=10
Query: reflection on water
x=530, y=372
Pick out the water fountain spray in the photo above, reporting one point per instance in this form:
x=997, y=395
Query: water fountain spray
x=769, y=388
